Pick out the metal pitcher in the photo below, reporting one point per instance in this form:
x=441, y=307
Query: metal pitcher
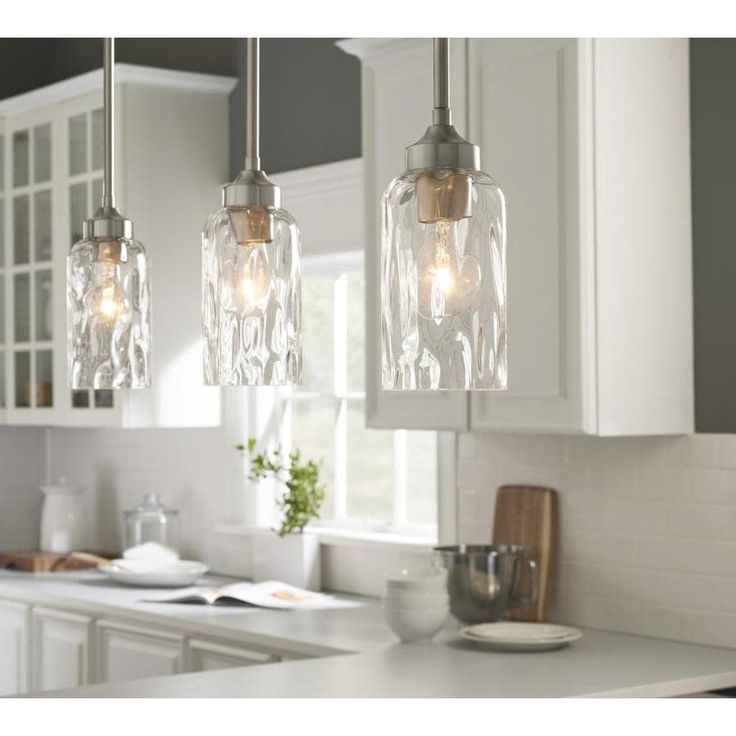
x=484, y=581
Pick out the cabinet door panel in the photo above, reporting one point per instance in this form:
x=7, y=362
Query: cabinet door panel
x=397, y=105
x=14, y=648
x=61, y=649
x=128, y=653
x=207, y=655
x=525, y=114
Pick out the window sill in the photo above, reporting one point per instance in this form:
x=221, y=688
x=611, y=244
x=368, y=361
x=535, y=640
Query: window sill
x=340, y=537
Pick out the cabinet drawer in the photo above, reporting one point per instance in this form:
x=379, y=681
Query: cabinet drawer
x=61, y=646
x=207, y=655
x=127, y=652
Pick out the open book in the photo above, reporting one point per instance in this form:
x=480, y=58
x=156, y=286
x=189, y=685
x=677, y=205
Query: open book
x=270, y=594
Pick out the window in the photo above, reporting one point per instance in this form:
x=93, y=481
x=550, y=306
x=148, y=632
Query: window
x=377, y=480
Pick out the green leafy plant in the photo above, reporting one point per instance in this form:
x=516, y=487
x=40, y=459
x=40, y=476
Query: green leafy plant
x=304, y=493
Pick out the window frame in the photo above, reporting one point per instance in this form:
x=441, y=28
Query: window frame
x=339, y=266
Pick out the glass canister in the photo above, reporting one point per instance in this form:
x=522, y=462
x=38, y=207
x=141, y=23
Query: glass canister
x=151, y=529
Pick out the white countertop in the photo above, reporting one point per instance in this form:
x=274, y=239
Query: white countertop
x=602, y=664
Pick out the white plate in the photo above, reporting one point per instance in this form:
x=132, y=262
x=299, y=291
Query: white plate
x=513, y=636
x=151, y=574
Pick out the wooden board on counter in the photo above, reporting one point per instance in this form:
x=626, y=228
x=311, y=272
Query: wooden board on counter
x=37, y=561
x=528, y=515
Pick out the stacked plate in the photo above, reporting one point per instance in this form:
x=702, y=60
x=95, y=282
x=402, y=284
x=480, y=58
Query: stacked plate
x=154, y=573
x=416, y=604
x=513, y=636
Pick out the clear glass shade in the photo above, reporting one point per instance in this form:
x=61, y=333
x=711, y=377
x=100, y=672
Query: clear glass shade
x=443, y=282
x=108, y=315
x=251, y=298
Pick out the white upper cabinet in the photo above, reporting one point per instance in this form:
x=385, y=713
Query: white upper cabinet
x=172, y=155
x=590, y=141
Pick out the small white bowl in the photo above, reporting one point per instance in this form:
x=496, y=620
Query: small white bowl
x=418, y=599
x=415, y=625
x=426, y=579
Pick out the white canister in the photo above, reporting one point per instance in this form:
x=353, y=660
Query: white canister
x=62, y=518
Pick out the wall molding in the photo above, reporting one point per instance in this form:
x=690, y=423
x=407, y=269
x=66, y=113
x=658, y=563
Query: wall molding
x=327, y=201
x=88, y=82
x=314, y=181
x=378, y=51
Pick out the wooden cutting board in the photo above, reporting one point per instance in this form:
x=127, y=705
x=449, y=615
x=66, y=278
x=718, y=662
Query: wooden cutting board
x=528, y=515
x=35, y=561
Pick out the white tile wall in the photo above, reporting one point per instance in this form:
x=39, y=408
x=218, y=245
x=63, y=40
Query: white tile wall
x=21, y=473
x=187, y=467
x=198, y=472
x=648, y=526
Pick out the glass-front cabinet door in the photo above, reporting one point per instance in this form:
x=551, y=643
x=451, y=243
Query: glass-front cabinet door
x=29, y=339
x=84, y=159
x=50, y=182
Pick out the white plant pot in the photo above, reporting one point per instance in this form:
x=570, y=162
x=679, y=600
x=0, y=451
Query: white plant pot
x=292, y=559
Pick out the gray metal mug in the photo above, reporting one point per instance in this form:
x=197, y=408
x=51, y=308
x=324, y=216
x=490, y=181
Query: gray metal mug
x=484, y=580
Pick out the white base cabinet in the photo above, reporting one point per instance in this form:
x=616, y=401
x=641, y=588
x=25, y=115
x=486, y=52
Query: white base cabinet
x=61, y=649
x=204, y=655
x=126, y=652
x=14, y=648
x=44, y=649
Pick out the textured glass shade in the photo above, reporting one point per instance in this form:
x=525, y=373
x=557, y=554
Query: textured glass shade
x=443, y=282
x=251, y=298
x=108, y=315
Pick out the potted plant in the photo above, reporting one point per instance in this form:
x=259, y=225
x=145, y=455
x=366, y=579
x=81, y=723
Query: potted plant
x=289, y=553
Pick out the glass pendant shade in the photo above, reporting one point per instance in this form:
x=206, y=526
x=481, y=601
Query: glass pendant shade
x=443, y=282
x=251, y=279
x=251, y=298
x=108, y=292
x=443, y=261
x=108, y=314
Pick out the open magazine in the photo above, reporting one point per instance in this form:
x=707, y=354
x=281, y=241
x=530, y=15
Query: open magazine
x=270, y=594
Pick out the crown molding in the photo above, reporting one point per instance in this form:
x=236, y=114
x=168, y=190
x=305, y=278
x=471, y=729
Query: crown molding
x=324, y=179
x=124, y=74
x=378, y=51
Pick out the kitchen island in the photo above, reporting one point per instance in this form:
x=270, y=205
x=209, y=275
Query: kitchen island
x=349, y=652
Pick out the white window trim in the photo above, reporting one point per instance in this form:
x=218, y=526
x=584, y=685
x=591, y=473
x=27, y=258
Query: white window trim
x=342, y=537
x=339, y=183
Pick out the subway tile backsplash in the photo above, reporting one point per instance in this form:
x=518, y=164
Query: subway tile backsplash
x=22, y=472
x=648, y=526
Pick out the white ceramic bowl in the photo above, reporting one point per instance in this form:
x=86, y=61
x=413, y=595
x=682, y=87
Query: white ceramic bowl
x=427, y=579
x=420, y=599
x=415, y=624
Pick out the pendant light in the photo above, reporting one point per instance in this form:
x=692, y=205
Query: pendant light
x=443, y=262
x=251, y=284
x=108, y=292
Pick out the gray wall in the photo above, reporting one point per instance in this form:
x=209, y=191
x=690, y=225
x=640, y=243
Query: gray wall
x=310, y=90
x=310, y=105
x=713, y=115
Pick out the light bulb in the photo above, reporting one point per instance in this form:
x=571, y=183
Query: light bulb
x=249, y=281
x=447, y=283
x=106, y=302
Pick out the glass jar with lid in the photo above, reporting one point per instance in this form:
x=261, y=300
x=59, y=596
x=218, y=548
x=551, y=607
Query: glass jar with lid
x=151, y=529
